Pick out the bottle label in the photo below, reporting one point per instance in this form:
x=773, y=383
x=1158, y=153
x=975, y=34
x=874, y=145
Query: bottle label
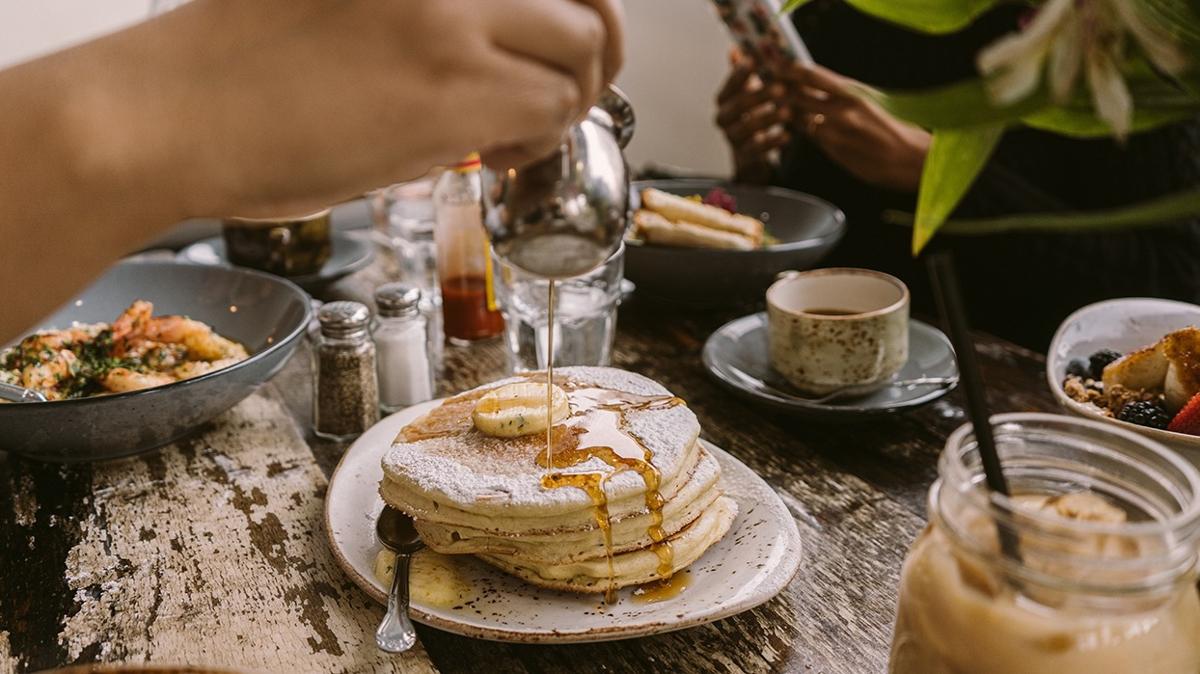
x=469, y=165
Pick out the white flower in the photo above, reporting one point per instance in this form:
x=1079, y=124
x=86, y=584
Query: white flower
x=1069, y=36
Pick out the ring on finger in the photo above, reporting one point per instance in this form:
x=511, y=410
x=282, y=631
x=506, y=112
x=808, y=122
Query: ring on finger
x=814, y=123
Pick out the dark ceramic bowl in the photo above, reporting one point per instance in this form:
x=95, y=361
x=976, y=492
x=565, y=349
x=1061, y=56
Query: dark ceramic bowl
x=806, y=227
x=265, y=313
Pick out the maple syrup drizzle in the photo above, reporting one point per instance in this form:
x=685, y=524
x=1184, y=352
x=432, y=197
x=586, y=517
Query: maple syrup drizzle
x=605, y=437
x=549, y=371
x=664, y=589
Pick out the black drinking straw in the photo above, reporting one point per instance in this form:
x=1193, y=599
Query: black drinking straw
x=950, y=305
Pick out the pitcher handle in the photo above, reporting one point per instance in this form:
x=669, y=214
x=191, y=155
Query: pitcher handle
x=620, y=112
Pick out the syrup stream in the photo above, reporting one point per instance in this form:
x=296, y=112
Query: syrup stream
x=606, y=437
x=550, y=372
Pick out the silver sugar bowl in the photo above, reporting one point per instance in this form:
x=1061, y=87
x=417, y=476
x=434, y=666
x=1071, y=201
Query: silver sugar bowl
x=566, y=214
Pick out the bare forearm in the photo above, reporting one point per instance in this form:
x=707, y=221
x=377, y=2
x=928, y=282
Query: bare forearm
x=69, y=204
x=270, y=107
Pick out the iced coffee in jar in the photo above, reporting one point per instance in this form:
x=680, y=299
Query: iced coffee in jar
x=1104, y=575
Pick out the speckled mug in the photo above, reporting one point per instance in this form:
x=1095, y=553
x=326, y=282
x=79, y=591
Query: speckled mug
x=818, y=351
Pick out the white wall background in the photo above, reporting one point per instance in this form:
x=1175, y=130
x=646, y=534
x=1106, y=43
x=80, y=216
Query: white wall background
x=676, y=62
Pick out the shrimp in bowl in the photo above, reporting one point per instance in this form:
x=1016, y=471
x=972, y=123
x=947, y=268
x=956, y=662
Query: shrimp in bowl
x=136, y=351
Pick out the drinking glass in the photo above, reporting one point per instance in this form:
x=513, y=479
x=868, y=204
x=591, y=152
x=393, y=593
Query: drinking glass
x=585, y=315
x=404, y=215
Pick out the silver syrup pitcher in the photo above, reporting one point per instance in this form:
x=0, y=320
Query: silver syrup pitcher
x=566, y=214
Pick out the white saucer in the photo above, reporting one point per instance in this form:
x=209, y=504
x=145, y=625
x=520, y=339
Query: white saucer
x=754, y=562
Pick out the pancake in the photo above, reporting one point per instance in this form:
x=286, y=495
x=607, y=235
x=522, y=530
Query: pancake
x=459, y=467
x=627, y=496
x=630, y=532
x=502, y=521
x=629, y=568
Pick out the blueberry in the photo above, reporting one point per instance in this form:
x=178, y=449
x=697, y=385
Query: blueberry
x=1145, y=413
x=1080, y=368
x=1100, y=360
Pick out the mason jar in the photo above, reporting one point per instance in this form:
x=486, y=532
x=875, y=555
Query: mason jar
x=1103, y=576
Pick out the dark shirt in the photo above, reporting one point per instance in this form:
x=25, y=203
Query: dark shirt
x=1019, y=286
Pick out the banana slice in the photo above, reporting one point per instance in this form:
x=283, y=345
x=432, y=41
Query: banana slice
x=519, y=409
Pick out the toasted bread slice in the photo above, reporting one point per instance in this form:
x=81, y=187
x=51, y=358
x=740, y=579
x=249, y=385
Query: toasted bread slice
x=699, y=214
x=655, y=228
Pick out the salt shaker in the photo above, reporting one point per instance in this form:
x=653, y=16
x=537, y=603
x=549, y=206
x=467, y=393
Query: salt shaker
x=405, y=371
x=346, y=386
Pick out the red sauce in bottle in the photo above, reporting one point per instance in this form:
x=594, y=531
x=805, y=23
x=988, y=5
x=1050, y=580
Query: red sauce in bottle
x=465, y=313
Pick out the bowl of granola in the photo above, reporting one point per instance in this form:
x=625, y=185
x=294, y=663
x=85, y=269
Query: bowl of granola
x=1133, y=362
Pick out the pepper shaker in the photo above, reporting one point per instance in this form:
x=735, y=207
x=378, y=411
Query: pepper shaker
x=346, y=385
x=405, y=369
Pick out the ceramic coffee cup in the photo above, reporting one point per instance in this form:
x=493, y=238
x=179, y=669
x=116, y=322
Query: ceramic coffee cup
x=833, y=328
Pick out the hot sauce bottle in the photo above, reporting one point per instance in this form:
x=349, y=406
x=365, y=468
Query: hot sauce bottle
x=464, y=260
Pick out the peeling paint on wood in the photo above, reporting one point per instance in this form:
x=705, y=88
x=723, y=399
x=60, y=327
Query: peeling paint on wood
x=209, y=553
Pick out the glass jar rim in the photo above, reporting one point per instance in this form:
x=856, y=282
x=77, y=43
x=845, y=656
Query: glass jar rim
x=952, y=466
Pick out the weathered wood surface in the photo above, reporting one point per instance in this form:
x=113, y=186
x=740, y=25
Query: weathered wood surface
x=212, y=551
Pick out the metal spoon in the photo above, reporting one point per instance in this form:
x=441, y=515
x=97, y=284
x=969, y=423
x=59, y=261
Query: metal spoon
x=863, y=389
x=19, y=394
x=396, y=532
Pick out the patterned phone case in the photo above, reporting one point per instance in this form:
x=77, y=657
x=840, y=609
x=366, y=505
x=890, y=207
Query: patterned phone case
x=761, y=31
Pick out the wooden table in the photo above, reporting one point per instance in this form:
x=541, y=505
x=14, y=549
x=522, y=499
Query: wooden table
x=212, y=550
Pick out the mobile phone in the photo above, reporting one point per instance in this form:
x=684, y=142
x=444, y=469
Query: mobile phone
x=763, y=32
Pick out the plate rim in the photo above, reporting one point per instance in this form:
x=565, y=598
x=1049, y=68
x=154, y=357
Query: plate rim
x=613, y=633
x=800, y=407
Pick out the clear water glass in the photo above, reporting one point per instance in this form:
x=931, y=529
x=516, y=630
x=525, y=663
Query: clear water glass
x=404, y=214
x=585, y=315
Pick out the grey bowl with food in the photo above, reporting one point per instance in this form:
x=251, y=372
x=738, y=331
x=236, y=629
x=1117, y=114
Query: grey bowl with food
x=138, y=381
x=800, y=230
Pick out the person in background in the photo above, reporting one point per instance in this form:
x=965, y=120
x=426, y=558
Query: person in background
x=848, y=150
x=272, y=107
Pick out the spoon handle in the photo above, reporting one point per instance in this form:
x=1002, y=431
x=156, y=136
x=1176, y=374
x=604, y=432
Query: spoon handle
x=396, y=633
x=19, y=394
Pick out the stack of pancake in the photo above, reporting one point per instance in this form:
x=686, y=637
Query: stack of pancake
x=628, y=495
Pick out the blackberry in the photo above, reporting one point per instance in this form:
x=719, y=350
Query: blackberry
x=1080, y=368
x=1100, y=360
x=1145, y=413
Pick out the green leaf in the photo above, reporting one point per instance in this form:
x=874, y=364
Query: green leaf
x=963, y=104
x=1076, y=124
x=967, y=104
x=929, y=16
x=1180, y=18
x=1153, y=213
x=956, y=156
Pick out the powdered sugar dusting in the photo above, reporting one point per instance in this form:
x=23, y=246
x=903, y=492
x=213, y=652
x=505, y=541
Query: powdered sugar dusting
x=476, y=472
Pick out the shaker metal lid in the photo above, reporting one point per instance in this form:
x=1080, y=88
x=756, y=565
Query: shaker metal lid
x=397, y=298
x=343, y=316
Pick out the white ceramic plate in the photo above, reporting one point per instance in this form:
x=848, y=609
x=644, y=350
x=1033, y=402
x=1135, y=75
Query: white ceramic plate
x=753, y=563
x=1122, y=325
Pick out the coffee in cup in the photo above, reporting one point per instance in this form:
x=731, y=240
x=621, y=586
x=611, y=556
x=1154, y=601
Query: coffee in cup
x=833, y=328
